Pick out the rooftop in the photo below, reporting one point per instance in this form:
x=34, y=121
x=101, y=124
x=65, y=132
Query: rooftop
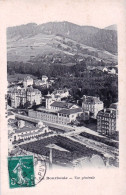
x=107, y=112
x=70, y=111
x=43, y=109
x=25, y=129
x=114, y=105
x=62, y=104
x=44, y=76
x=91, y=99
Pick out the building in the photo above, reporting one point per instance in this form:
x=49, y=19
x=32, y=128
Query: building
x=34, y=96
x=102, y=68
x=27, y=133
x=56, y=112
x=106, y=121
x=112, y=70
x=19, y=97
x=44, y=79
x=63, y=93
x=115, y=106
x=68, y=115
x=63, y=116
x=38, y=82
x=49, y=100
x=59, y=105
x=28, y=81
x=91, y=106
x=43, y=83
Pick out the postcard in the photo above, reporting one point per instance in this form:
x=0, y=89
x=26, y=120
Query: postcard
x=62, y=116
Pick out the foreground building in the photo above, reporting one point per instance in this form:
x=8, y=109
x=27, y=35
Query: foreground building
x=107, y=120
x=91, y=106
x=56, y=112
x=26, y=133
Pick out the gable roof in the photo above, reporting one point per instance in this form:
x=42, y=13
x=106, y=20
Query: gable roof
x=70, y=111
x=62, y=104
x=91, y=99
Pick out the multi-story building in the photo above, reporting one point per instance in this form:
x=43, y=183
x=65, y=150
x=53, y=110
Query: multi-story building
x=56, y=112
x=115, y=106
x=18, y=97
x=91, y=106
x=63, y=116
x=21, y=96
x=34, y=95
x=28, y=81
x=107, y=120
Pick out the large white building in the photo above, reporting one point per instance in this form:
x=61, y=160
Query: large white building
x=56, y=112
x=21, y=96
x=91, y=106
x=34, y=96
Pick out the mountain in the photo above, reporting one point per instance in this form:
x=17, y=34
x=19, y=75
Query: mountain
x=63, y=39
x=112, y=27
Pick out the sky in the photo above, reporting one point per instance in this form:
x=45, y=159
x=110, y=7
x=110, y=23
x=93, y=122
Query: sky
x=99, y=13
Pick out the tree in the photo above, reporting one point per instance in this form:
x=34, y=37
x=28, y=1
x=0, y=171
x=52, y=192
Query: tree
x=27, y=104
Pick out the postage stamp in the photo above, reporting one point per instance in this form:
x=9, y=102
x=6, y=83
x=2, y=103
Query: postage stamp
x=21, y=171
x=26, y=171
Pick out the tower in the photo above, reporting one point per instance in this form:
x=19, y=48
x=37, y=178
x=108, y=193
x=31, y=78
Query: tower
x=49, y=101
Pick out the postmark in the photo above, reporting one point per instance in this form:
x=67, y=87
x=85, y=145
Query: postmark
x=26, y=171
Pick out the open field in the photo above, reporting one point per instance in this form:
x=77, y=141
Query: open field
x=42, y=45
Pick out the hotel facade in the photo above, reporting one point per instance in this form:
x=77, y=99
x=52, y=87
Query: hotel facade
x=91, y=106
x=107, y=120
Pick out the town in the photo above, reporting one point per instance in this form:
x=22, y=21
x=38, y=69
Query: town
x=64, y=131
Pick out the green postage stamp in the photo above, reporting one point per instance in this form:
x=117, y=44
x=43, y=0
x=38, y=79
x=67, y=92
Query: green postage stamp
x=21, y=171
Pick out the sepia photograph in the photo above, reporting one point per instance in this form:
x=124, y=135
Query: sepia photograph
x=63, y=94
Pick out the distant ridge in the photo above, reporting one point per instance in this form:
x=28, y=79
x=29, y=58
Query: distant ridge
x=31, y=41
x=112, y=27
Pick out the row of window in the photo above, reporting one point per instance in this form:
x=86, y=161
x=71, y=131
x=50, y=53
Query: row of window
x=104, y=118
x=49, y=117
